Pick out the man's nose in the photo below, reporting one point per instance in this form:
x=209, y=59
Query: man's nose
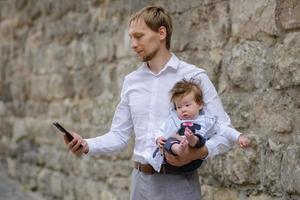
x=133, y=43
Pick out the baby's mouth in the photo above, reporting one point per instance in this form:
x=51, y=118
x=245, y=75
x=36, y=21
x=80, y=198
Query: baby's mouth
x=185, y=116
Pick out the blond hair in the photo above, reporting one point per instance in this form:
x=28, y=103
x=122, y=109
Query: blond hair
x=155, y=17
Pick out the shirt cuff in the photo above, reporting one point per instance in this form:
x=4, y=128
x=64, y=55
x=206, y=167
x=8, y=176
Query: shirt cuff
x=91, y=145
x=236, y=136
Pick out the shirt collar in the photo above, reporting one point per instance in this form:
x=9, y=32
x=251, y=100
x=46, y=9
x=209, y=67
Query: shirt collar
x=173, y=63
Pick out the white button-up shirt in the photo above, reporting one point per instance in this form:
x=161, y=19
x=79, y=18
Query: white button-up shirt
x=145, y=105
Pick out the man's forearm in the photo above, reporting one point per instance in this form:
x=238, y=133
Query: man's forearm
x=187, y=155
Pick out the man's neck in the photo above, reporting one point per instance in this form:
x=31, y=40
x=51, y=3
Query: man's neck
x=157, y=63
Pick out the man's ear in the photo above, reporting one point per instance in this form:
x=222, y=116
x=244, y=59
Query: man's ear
x=162, y=32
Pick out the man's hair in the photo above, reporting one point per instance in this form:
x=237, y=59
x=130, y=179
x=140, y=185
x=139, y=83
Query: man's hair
x=155, y=17
x=185, y=87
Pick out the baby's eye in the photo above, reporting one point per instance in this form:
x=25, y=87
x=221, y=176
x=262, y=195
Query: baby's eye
x=187, y=105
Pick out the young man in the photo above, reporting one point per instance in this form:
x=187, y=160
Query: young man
x=145, y=104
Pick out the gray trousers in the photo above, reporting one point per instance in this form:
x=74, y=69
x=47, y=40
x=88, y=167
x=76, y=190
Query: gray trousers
x=164, y=186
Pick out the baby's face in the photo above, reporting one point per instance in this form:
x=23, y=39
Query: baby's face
x=187, y=107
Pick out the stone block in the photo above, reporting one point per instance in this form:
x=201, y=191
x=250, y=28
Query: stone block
x=249, y=66
x=19, y=131
x=43, y=181
x=28, y=179
x=36, y=108
x=39, y=87
x=290, y=170
x=263, y=197
x=104, y=48
x=242, y=166
x=203, y=27
x=216, y=193
x=273, y=116
x=19, y=87
x=249, y=18
x=290, y=14
x=56, y=109
x=210, y=61
x=237, y=166
x=287, y=71
x=272, y=154
x=45, y=87
x=2, y=109
x=88, y=189
x=55, y=58
x=240, y=109
x=89, y=82
x=56, y=185
x=121, y=42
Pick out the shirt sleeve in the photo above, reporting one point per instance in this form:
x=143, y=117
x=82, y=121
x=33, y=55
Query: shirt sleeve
x=120, y=132
x=212, y=104
x=212, y=101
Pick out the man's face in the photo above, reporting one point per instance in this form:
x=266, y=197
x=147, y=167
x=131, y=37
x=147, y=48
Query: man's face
x=144, y=41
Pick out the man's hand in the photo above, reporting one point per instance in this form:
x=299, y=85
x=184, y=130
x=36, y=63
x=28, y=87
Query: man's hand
x=186, y=155
x=78, y=145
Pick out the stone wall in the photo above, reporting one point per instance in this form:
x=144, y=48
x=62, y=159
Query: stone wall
x=65, y=61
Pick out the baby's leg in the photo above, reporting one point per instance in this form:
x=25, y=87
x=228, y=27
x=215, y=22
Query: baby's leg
x=190, y=137
x=170, y=142
x=176, y=148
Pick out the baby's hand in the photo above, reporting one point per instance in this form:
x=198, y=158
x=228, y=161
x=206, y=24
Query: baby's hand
x=160, y=141
x=243, y=141
x=190, y=137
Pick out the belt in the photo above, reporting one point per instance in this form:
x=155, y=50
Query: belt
x=148, y=169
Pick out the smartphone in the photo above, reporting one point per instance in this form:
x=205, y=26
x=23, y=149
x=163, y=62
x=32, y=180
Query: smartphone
x=63, y=130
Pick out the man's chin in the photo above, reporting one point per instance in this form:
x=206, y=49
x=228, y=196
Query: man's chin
x=145, y=59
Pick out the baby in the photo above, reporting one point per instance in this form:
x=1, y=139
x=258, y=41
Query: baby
x=189, y=125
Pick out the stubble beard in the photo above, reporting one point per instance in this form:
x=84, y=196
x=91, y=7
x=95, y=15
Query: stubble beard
x=150, y=56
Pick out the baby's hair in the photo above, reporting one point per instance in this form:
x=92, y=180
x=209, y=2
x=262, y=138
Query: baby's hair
x=185, y=87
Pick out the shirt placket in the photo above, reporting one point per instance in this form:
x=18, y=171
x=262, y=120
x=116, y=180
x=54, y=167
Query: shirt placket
x=152, y=105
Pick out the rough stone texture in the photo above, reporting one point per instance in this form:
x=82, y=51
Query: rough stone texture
x=65, y=61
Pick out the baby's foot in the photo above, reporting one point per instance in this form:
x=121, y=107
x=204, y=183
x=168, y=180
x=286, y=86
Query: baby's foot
x=190, y=137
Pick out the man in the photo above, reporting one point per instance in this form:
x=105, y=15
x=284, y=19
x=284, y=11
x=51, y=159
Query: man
x=145, y=105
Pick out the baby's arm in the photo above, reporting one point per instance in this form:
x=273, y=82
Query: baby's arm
x=233, y=135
